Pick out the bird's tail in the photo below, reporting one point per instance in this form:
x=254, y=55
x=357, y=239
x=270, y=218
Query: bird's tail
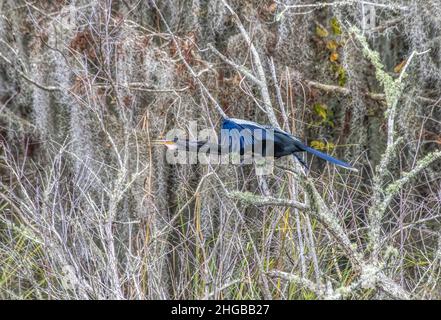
x=327, y=157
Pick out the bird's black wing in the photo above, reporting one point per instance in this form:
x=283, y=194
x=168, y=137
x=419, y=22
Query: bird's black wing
x=244, y=136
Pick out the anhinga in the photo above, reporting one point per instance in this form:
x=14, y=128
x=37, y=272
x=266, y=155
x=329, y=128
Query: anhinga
x=244, y=136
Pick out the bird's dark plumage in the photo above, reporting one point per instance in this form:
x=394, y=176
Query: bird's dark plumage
x=283, y=143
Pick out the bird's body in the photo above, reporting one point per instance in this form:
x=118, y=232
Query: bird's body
x=247, y=137
x=283, y=143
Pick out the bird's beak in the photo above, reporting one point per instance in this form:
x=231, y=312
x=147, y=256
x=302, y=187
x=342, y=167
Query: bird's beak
x=170, y=144
x=161, y=142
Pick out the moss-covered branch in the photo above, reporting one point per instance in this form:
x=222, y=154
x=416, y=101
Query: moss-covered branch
x=258, y=201
x=393, y=89
x=395, y=187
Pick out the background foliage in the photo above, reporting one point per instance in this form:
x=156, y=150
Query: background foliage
x=90, y=209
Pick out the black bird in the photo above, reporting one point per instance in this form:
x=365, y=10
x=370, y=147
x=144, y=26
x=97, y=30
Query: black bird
x=244, y=136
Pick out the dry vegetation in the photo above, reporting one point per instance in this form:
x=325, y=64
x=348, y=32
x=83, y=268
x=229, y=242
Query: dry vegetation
x=90, y=209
